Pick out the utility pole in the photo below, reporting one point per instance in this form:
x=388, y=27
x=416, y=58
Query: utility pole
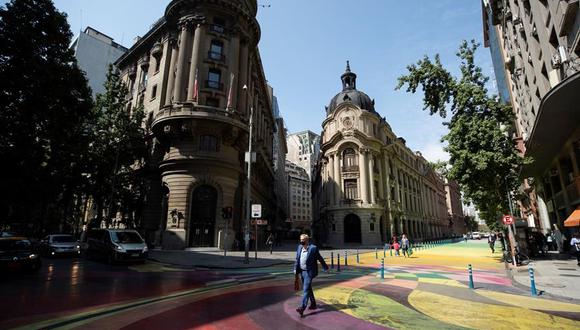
x=511, y=233
x=248, y=187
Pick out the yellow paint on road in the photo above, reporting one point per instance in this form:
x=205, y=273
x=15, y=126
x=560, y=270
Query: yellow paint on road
x=530, y=303
x=478, y=315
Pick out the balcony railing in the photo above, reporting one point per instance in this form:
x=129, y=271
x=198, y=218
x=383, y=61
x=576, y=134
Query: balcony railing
x=217, y=28
x=216, y=56
x=351, y=168
x=214, y=85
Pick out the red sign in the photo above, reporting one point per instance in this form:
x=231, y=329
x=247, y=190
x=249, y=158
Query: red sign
x=508, y=220
x=259, y=222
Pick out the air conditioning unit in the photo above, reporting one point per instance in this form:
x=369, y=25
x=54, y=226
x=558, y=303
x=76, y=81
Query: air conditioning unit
x=556, y=61
x=507, y=14
x=510, y=62
x=534, y=32
x=517, y=20
x=521, y=27
x=563, y=54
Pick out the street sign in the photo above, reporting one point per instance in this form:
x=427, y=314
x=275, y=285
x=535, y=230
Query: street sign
x=508, y=220
x=259, y=222
x=256, y=211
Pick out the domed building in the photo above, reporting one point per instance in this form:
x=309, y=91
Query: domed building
x=369, y=185
x=198, y=75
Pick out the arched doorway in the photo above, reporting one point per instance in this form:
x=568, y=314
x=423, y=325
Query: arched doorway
x=352, y=231
x=202, y=218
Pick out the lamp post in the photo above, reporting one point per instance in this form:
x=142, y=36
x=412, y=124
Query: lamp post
x=109, y=211
x=248, y=187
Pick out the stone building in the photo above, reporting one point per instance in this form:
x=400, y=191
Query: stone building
x=535, y=47
x=455, y=207
x=299, y=197
x=198, y=74
x=280, y=149
x=369, y=185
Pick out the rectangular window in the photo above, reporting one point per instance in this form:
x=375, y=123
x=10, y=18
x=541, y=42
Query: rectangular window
x=154, y=92
x=218, y=25
x=333, y=227
x=372, y=226
x=216, y=50
x=214, y=79
x=212, y=102
x=351, y=189
x=208, y=143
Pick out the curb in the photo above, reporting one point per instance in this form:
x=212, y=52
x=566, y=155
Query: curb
x=194, y=266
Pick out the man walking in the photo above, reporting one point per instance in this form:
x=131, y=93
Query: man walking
x=306, y=265
x=491, y=240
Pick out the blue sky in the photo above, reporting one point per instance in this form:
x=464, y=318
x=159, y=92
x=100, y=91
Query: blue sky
x=305, y=45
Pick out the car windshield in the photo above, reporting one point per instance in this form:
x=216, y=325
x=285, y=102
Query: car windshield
x=126, y=237
x=63, y=239
x=14, y=245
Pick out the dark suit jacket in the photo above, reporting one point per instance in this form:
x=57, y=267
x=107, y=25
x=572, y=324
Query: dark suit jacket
x=311, y=260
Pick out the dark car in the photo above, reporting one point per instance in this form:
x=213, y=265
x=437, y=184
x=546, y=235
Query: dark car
x=114, y=245
x=18, y=254
x=61, y=244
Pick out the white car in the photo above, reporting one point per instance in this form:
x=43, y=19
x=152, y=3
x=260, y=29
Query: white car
x=53, y=245
x=475, y=235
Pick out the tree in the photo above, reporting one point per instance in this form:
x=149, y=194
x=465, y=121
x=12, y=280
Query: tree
x=117, y=151
x=44, y=105
x=483, y=158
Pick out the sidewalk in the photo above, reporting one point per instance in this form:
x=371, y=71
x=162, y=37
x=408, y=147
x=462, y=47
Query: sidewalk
x=554, y=277
x=214, y=258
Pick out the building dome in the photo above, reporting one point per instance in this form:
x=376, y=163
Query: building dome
x=350, y=94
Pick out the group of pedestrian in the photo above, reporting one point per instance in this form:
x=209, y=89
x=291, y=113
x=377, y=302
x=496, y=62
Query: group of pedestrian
x=402, y=245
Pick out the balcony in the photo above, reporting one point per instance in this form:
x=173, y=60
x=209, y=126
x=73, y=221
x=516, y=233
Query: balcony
x=567, y=10
x=216, y=85
x=351, y=168
x=215, y=56
x=215, y=28
x=559, y=200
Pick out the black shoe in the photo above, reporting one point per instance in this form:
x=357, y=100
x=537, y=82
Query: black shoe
x=300, y=311
x=313, y=307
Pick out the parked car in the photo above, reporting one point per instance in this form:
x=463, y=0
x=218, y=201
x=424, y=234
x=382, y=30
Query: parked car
x=115, y=245
x=18, y=254
x=61, y=244
x=475, y=235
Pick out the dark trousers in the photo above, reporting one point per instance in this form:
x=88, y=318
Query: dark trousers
x=308, y=294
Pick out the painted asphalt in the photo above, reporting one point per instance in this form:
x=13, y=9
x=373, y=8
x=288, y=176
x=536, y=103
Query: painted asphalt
x=429, y=290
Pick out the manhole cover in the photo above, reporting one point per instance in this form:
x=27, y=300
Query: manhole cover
x=559, y=286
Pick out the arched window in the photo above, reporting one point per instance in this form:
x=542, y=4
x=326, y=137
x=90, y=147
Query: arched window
x=349, y=158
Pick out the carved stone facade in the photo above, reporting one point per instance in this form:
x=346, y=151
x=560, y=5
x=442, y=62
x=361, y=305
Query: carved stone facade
x=369, y=185
x=198, y=73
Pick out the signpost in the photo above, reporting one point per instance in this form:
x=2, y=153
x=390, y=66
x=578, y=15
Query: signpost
x=256, y=213
x=508, y=220
x=227, y=213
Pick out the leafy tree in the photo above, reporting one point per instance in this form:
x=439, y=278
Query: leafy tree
x=483, y=158
x=117, y=150
x=44, y=105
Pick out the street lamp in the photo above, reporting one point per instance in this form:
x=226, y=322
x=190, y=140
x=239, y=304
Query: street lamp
x=248, y=186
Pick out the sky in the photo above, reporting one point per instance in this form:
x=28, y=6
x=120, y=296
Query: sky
x=305, y=44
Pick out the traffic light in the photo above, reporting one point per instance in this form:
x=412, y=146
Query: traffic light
x=227, y=212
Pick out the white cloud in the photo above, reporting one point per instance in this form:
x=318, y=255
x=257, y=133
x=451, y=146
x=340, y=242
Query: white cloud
x=434, y=152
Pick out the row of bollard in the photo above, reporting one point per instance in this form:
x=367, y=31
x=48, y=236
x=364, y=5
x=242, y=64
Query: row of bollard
x=533, y=290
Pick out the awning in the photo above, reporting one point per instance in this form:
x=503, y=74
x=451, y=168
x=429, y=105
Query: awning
x=574, y=219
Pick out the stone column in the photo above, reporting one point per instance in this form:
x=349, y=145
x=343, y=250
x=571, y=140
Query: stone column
x=243, y=61
x=181, y=67
x=381, y=178
x=363, y=175
x=338, y=179
x=172, y=51
x=197, y=55
x=372, y=200
x=331, y=181
x=234, y=62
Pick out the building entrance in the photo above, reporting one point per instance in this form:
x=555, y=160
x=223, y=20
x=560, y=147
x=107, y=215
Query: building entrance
x=352, y=230
x=202, y=220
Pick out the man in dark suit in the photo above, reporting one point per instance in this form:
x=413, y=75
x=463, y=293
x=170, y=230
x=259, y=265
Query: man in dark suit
x=306, y=265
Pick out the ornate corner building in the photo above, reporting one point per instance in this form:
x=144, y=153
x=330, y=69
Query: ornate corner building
x=368, y=184
x=197, y=73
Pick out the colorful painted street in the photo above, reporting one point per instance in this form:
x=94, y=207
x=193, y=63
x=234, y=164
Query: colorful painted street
x=429, y=290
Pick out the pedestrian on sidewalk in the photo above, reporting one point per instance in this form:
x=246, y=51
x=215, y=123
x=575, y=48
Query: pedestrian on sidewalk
x=397, y=247
x=559, y=238
x=405, y=245
x=575, y=245
x=491, y=241
x=306, y=265
x=270, y=242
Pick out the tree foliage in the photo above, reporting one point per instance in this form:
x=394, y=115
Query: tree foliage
x=117, y=150
x=483, y=158
x=44, y=104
